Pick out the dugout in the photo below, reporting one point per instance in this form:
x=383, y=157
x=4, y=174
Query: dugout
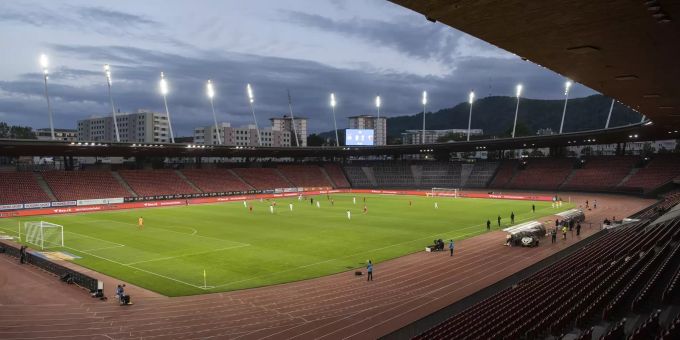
x=519, y=235
x=576, y=215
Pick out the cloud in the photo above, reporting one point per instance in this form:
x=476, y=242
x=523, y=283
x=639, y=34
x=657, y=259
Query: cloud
x=80, y=93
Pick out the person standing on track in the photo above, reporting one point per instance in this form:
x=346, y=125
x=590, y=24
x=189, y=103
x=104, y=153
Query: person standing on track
x=369, y=271
x=451, y=247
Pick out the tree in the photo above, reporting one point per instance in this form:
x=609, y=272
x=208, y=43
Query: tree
x=16, y=132
x=451, y=137
x=315, y=140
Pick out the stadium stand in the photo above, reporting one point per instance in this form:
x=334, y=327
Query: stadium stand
x=156, y=182
x=659, y=171
x=305, y=175
x=393, y=175
x=614, y=275
x=440, y=174
x=505, y=172
x=481, y=175
x=542, y=173
x=334, y=171
x=600, y=173
x=357, y=176
x=21, y=187
x=215, y=180
x=263, y=178
x=81, y=185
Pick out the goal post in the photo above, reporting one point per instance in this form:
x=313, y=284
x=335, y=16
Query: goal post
x=444, y=192
x=43, y=234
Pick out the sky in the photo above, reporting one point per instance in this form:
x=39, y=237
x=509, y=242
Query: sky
x=354, y=48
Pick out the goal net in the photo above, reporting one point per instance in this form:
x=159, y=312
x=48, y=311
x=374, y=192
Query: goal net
x=43, y=234
x=445, y=192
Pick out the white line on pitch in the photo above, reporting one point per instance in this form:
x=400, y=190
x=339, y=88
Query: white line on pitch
x=190, y=254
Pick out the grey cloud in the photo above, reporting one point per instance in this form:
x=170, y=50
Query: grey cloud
x=137, y=71
x=112, y=17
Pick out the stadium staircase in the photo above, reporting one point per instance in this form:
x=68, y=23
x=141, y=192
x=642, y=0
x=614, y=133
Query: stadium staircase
x=327, y=177
x=368, y=171
x=123, y=183
x=417, y=171
x=183, y=177
x=569, y=177
x=240, y=179
x=465, y=171
x=285, y=178
x=43, y=184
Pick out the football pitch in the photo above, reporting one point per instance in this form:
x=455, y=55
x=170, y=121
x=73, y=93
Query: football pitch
x=239, y=249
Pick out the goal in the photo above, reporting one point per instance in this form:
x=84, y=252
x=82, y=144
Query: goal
x=445, y=192
x=43, y=234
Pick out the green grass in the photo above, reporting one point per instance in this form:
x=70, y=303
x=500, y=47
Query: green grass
x=238, y=249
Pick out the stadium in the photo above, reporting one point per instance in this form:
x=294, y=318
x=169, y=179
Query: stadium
x=484, y=237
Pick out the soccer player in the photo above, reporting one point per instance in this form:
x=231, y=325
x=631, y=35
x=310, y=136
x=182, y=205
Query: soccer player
x=365, y=209
x=140, y=222
x=488, y=224
x=311, y=201
x=318, y=205
x=354, y=200
x=290, y=205
x=533, y=208
x=512, y=217
x=436, y=205
x=332, y=202
x=410, y=203
x=271, y=209
x=250, y=208
x=245, y=205
x=499, y=221
x=349, y=215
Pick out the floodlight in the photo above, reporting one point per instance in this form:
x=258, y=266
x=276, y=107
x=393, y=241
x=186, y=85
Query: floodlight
x=333, y=100
x=377, y=101
x=518, y=91
x=471, y=97
x=250, y=93
x=424, y=97
x=107, y=71
x=209, y=88
x=163, y=85
x=44, y=61
x=567, y=85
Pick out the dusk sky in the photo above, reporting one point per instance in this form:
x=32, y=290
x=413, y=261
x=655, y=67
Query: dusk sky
x=356, y=49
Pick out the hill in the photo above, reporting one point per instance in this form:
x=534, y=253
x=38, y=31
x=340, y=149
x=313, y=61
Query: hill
x=495, y=116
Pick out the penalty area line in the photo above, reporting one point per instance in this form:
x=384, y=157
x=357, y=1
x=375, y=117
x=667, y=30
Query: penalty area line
x=190, y=254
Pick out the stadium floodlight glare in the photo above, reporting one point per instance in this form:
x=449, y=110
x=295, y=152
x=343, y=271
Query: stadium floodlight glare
x=164, y=91
x=471, y=99
x=44, y=63
x=567, y=86
x=424, y=107
x=518, y=93
x=251, y=101
x=335, y=123
x=107, y=73
x=211, y=94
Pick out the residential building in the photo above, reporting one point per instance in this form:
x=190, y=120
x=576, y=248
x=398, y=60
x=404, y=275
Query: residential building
x=431, y=136
x=378, y=125
x=142, y=126
x=286, y=124
x=65, y=135
x=243, y=136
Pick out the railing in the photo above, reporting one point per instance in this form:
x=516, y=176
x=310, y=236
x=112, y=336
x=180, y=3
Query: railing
x=79, y=279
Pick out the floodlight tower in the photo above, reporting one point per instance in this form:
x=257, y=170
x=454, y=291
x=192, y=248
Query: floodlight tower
x=518, y=92
x=424, y=106
x=107, y=72
x=44, y=63
x=377, y=104
x=335, y=123
x=609, y=116
x=251, y=100
x=376, y=125
x=471, y=99
x=210, y=91
x=292, y=118
x=567, y=86
x=164, y=92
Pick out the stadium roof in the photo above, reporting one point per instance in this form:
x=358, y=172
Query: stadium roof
x=627, y=50
x=631, y=133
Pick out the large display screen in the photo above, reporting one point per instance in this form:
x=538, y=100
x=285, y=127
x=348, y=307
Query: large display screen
x=359, y=137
